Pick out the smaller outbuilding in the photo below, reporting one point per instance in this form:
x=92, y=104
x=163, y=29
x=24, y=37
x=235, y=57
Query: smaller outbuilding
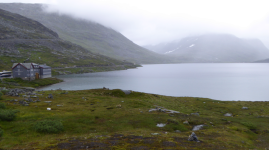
x=30, y=71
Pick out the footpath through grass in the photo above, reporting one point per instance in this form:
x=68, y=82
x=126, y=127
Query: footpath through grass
x=110, y=119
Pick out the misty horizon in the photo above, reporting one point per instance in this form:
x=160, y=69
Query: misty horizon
x=152, y=23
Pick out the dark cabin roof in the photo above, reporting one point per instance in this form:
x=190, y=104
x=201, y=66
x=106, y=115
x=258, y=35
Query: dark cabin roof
x=25, y=65
x=44, y=66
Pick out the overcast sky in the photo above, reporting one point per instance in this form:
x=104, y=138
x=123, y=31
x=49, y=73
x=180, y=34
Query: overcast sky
x=155, y=21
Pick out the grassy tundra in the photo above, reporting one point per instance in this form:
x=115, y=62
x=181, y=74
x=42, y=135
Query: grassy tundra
x=110, y=119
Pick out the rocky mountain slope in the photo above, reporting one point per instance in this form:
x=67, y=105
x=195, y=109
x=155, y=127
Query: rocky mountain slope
x=214, y=48
x=23, y=39
x=92, y=36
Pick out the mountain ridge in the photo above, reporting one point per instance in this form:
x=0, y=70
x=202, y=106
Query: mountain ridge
x=26, y=39
x=214, y=48
x=92, y=36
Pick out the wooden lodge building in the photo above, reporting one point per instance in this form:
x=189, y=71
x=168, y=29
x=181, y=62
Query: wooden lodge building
x=30, y=71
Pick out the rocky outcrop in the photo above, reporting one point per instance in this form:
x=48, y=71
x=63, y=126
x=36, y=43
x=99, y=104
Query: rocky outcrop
x=16, y=92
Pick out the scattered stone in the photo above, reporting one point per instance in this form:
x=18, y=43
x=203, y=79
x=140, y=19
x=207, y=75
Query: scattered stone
x=177, y=131
x=228, y=114
x=155, y=133
x=59, y=105
x=244, y=107
x=164, y=110
x=17, y=91
x=195, y=114
x=193, y=137
x=186, y=122
x=198, y=127
x=50, y=96
x=173, y=112
x=118, y=106
x=161, y=125
x=48, y=108
x=47, y=101
x=151, y=110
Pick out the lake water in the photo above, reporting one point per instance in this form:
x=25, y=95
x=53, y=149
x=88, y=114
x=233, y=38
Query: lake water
x=222, y=81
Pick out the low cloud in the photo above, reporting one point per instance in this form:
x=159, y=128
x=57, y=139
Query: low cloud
x=153, y=22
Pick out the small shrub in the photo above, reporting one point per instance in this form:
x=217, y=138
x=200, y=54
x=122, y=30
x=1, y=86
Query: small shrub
x=118, y=93
x=2, y=106
x=1, y=132
x=4, y=92
x=172, y=127
x=249, y=125
x=7, y=115
x=49, y=126
x=1, y=94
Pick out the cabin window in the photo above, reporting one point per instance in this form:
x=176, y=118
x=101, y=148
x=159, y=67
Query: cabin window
x=19, y=73
x=18, y=69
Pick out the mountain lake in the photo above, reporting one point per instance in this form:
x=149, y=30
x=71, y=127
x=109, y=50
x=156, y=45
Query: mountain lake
x=219, y=81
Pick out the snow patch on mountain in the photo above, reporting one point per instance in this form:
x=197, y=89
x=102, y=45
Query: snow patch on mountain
x=169, y=51
x=192, y=45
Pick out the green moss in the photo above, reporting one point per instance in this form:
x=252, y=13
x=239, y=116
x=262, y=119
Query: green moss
x=49, y=126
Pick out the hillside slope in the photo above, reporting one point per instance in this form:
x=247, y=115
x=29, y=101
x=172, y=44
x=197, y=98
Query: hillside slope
x=92, y=36
x=262, y=61
x=23, y=39
x=215, y=48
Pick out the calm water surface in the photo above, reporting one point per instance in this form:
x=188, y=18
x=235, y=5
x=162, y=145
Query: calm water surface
x=242, y=81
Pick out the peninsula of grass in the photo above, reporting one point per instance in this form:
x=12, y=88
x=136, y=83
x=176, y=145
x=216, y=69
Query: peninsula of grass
x=110, y=119
x=18, y=82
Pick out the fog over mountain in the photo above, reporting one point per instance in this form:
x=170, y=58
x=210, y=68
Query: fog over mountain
x=90, y=35
x=24, y=39
x=152, y=22
x=214, y=48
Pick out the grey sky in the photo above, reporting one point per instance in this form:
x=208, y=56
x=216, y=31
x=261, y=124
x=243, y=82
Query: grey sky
x=155, y=21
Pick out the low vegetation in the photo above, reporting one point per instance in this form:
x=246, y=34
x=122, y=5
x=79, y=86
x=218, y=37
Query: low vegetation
x=49, y=126
x=7, y=115
x=110, y=119
x=1, y=132
x=18, y=82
